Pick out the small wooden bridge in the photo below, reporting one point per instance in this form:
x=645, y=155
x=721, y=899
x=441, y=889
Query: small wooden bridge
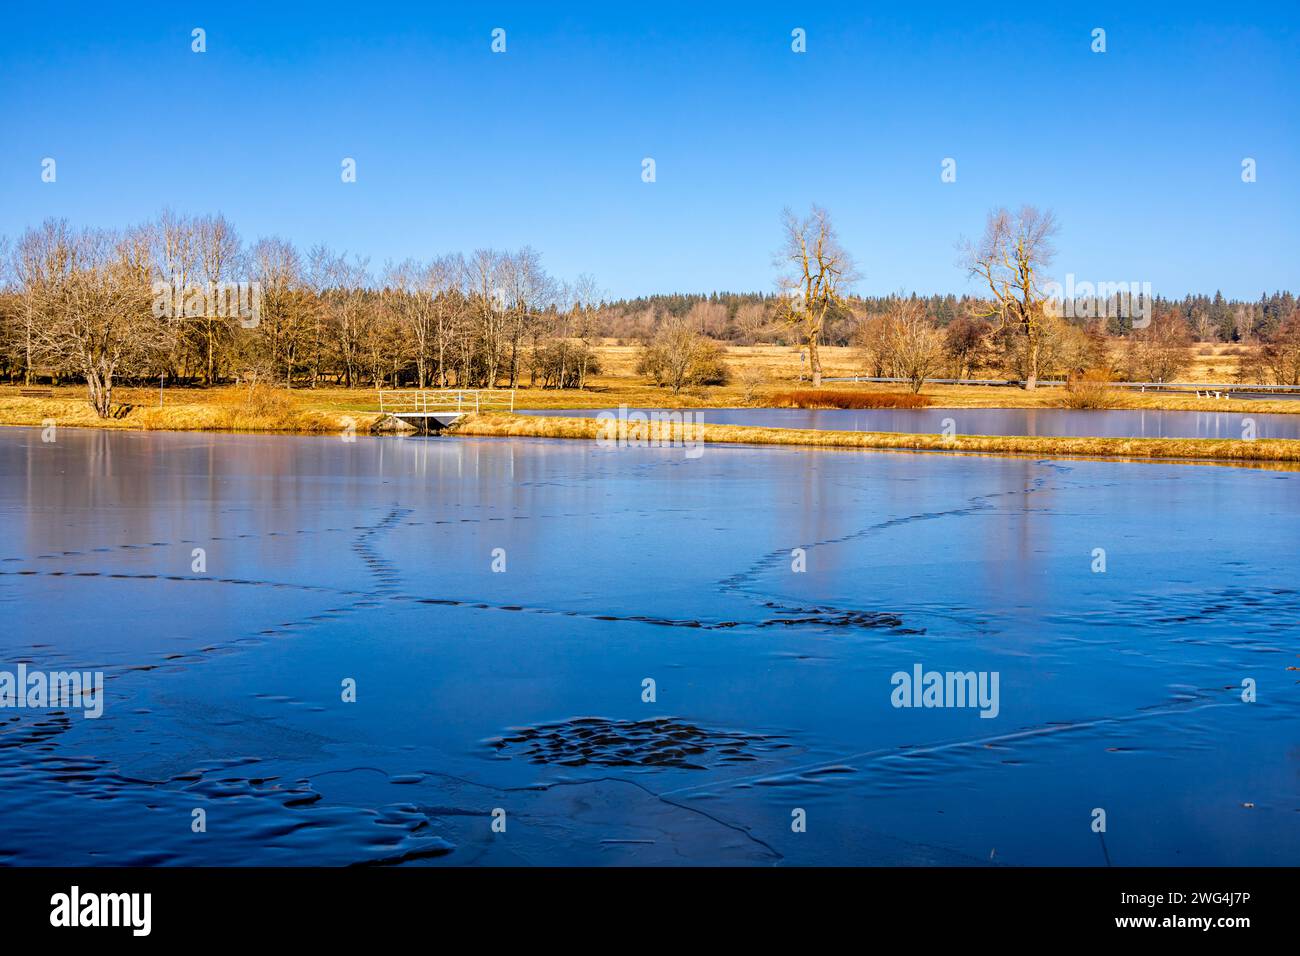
x=433, y=409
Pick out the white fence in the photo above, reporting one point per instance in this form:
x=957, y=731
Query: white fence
x=445, y=401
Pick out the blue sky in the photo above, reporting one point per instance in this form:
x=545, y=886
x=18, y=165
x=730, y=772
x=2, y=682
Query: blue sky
x=1138, y=150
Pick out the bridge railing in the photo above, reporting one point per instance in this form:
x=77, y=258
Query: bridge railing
x=444, y=400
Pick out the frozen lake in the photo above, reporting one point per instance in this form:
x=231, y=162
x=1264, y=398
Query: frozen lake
x=1109, y=423
x=519, y=694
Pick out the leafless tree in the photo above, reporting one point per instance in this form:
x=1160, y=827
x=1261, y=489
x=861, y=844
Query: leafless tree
x=752, y=379
x=1009, y=258
x=679, y=355
x=914, y=344
x=442, y=279
x=342, y=290
x=1161, y=351
x=407, y=296
x=966, y=344
x=753, y=324
x=43, y=258
x=476, y=322
x=586, y=298
x=816, y=272
x=872, y=339
x=288, y=312
x=96, y=314
x=1281, y=353
x=486, y=283
x=528, y=290
x=219, y=250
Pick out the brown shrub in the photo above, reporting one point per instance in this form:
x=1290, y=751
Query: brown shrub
x=257, y=407
x=846, y=398
x=1090, y=390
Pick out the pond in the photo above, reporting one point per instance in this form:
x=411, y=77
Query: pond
x=449, y=651
x=1109, y=423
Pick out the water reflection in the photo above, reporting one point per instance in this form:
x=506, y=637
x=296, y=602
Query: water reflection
x=372, y=561
x=1111, y=423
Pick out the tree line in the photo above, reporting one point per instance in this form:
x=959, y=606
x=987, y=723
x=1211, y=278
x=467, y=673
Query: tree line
x=185, y=298
x=752, y=318
x=1022, y=327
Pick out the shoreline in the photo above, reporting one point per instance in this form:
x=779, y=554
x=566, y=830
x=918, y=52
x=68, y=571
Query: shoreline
x=1209, y=450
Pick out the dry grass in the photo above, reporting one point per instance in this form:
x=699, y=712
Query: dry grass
x=848, y=398
x=261, y=409
x=1192, y=449
x=1090, y=390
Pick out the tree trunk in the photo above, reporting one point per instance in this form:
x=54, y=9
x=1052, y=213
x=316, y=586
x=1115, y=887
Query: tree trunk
x=27, y=360
x=101, y=393
x=1031, y=380
x=211, y=371
x=814, y=361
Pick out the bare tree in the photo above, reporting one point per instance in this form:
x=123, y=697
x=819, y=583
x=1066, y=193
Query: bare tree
x=96, y=314
x=680, y=355
x=586, y=297
x=1161, y=351
x=177, y=256
x=915, y=345
x=318, y=315
x=10, y=312
x=442, y=285
x=357, y=320
x=1202, y=326
x=752, y=379
x=753, y=323
x=528, y=290
x=966, y=342
x=1009, y=258
x=288, y=311
x=406, y=294
x=1281, y=354
x=487, y=293
x=218, y=249
x=816, y=270
x=872, y=339
x=43, y=258
x=342, y=287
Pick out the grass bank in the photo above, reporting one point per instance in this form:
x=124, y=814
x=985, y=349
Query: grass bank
x=219, y=409
x=1193, y=449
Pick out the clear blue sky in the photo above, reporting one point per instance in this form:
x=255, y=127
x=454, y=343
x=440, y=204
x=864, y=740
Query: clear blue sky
x=1138, y=150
